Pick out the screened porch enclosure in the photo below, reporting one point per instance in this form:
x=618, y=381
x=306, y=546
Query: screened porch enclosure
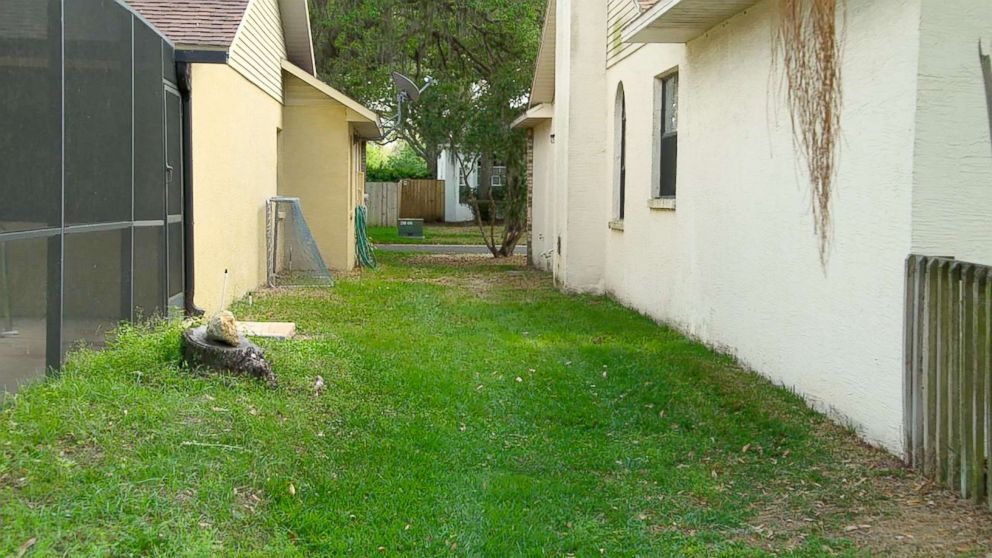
x=91, y=193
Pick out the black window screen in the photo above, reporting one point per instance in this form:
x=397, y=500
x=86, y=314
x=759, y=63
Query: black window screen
x=669, y=135
x=95, y=285
x=149, y=126
x=97, y=111
x=30, y=116
x=149, y=272
x=86, y=235
x=23, y=310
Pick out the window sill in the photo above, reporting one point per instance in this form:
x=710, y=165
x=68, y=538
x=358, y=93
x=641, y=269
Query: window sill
x=662, y=204
x=616, y=225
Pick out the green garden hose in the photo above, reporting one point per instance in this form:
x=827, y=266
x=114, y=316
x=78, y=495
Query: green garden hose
x=364, y=248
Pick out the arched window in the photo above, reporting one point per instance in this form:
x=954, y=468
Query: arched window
x=619, y=154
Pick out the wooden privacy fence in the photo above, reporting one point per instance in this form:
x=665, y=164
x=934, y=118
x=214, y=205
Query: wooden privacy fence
x=948, y=389
x=412, y=199
x=383, y=203
x=422, y=199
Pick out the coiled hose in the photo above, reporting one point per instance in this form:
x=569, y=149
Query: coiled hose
x=364, y=249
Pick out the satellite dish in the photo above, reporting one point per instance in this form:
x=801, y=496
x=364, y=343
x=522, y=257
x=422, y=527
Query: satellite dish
x=407, y=86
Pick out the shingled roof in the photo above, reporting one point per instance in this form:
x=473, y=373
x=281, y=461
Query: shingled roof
x=208, y=23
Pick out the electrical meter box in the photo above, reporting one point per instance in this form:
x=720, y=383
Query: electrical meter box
x=411, y=228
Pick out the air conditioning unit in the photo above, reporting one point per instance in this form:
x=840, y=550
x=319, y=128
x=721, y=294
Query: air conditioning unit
x=411, y=228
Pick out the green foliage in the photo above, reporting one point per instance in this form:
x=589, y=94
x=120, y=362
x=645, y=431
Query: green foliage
x=468, y=410
x=402, y=163
x=480, y=52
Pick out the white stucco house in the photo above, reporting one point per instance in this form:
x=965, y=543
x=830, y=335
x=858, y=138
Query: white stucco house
x=664, y=174
x=455, y=211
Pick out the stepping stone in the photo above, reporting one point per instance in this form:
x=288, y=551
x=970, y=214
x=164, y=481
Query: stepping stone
x=271, y=330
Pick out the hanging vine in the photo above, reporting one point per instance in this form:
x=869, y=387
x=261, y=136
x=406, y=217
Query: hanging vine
x=807, y=47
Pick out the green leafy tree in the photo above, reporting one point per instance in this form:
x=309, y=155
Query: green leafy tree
x=480, y=54
x=402, y=163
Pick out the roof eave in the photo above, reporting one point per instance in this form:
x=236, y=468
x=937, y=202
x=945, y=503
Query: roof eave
x=365, y=120
x=534, y=116
x=542, y=89
x=680, y=21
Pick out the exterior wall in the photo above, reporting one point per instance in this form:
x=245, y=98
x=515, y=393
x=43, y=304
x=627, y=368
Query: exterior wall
x=736, y=263
x=316, y=166
x=259, y=47
x=543, y=217
x=580, y=142
x=447, y=170
x=234, y=172
x=952, y=182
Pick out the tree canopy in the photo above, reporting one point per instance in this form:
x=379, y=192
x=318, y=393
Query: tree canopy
x=479, y=52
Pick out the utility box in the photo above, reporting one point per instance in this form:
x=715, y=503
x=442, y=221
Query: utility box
x=411, y=228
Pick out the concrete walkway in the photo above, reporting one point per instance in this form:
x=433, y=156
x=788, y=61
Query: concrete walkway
x=444, y=248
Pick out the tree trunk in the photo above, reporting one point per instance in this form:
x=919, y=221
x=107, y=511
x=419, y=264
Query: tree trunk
x=431, y=159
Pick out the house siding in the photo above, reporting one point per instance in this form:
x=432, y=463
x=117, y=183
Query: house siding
x=259, y=47
x=619, y=14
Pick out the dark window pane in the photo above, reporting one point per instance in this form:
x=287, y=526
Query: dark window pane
x=149, y=127
x=173, y=117
x=176, y=271
x=95, y=287
x=23, y=300
x=149, y=271
x=30, y=114
x=98, y=112
x=669, y=158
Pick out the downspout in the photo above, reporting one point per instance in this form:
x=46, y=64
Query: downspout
x=185, y=73
x=185, y=58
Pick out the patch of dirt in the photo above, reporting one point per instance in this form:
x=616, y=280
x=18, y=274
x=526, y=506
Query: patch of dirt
x=873, y=500
x=467, y=260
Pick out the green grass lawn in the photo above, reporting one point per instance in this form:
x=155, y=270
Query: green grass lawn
x=433, y=234
x=470, y=410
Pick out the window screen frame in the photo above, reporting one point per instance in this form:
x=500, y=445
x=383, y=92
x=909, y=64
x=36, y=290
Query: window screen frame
x=663, y=165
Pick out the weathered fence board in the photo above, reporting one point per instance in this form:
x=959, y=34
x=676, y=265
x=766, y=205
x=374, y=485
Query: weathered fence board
x=383, y=203
x=948, y=388
x=411, y=199
x=422, y=199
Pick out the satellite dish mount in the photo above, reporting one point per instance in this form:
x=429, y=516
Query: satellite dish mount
x=407, y=92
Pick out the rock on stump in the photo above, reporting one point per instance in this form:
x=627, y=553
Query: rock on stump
x=245, y=359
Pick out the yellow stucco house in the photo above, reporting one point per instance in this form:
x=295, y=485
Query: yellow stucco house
x=258, y=124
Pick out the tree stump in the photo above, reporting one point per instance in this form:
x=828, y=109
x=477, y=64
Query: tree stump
x=247, y=359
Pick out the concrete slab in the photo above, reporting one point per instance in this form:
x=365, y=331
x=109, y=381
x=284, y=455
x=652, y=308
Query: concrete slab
x=273, y=330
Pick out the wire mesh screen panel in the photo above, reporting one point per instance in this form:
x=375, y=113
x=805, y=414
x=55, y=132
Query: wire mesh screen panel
x=23, y=310
x=84, y=199
x=293, y=257
x=30, y=124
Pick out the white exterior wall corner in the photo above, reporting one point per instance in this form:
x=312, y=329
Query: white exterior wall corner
x=581, y=71
x=543, y=238
x=736, y=264
x=448, y=170
x=952, y=172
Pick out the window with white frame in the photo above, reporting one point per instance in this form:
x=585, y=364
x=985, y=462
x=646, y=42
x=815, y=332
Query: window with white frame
x=666, y=135
x=499, y=176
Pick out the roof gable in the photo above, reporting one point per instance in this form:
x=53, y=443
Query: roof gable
x=214, y=24
x=200, y=23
